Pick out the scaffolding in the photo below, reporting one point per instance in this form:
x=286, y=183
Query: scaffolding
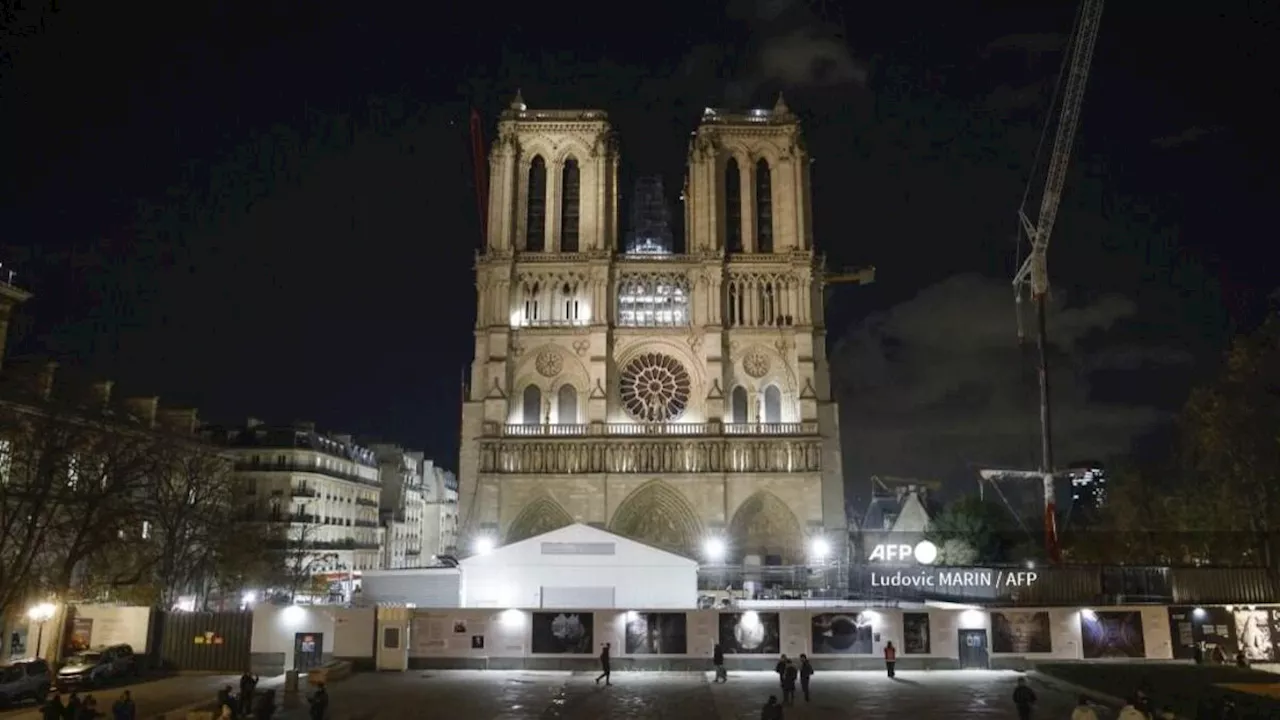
x=650, y=232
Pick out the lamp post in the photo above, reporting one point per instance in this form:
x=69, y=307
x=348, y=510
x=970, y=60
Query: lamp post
x=40, y=614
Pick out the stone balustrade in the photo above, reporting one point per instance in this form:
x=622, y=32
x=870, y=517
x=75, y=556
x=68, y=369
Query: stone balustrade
x=568, y=454
x=624, y=429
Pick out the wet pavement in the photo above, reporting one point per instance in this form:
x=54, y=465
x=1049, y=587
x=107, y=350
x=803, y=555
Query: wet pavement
x=520, y=695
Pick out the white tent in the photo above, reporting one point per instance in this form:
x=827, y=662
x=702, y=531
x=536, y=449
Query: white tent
x=579, y=567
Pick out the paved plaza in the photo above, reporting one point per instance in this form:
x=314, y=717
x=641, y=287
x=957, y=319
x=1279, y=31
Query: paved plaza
x=151, y=698
x=517, y=695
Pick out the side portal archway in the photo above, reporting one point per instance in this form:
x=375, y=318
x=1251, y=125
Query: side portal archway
x=540, y=516
x=657, y=514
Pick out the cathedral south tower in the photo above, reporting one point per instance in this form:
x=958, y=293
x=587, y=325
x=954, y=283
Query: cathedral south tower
x=671, y=398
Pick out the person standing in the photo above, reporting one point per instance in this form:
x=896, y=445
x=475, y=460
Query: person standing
x=319, y=703
x=1084, y=710
x=248, y=684
x=1024, y=698
x=124, y=709
x=806, y=672
x=781, y=669
x=890, y=657
x=789, y=676
x=717, y=659
x=604, y=665
x=1130, y=711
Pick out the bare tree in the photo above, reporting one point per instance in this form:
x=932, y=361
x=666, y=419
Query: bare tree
x=33, y=456
x=300, y=555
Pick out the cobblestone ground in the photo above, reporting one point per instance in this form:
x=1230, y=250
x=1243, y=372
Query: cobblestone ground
x=497, y=695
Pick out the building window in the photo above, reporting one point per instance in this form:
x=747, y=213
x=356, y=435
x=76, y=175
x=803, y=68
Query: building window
x=733, y=207
x=738, y=405
x=764, y=208
x=532, y=298
x=536, y=226
x=532, y=406
x=772, y=404
x=653, y=300
x=569, y=196
x=567, y=405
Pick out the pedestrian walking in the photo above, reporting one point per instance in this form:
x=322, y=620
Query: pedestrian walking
x=1024, y=699
x=781, y=669
x=789, y=676
x=890, y=657
x=1084, y=710
x=806, y=672
x=717, y=659
x=604, y=665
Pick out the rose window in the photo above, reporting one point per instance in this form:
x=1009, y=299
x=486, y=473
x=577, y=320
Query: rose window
x=655, y=388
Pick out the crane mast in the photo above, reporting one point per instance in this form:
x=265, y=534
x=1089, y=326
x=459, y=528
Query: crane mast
x=1032, y=278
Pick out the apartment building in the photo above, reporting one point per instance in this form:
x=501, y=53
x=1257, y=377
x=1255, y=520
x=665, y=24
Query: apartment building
x=323, y=488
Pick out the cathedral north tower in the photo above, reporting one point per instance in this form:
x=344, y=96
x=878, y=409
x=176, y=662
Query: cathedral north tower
x=667, y=397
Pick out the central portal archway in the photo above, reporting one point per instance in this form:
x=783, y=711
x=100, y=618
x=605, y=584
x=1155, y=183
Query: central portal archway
x=763, y=525
x=657, y=514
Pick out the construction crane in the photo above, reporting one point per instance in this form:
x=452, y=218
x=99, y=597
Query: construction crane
x=861, y=276
x=1032, y=278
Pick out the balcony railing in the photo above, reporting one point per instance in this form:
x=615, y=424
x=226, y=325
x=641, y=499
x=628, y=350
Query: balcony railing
x=367, y=502
x=305, y=492
x=305, y=468
x=651, y=454
x=647, y=429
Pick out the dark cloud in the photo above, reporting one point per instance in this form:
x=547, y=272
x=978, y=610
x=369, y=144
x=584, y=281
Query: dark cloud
x=938, y=383
x=791, y=45
x=1185, y=137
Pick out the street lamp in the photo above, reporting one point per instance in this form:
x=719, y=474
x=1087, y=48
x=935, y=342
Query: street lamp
x=40, y=614
x=714, y=549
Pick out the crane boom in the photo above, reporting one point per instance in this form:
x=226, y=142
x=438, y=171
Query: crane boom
x=1034, y=271
x=1032, y=277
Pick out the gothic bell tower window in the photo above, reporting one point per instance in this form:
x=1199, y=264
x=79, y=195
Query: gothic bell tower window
x=732, y=207
x=536, y=225
x=569, y=204
x=764, y=208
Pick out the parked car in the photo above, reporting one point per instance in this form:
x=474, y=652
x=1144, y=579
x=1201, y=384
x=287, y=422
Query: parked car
x=96, y=667
x=24, y=680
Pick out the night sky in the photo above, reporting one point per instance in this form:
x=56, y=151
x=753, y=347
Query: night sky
x=266, y=208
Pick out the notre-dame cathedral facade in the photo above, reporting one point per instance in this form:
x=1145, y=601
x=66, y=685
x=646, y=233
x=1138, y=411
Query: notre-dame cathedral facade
x=666, y=397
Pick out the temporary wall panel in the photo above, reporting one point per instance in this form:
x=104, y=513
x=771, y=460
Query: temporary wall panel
x=211, y=641
x=577, y=597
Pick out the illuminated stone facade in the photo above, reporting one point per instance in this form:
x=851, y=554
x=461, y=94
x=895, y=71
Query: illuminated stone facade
x=665, y=397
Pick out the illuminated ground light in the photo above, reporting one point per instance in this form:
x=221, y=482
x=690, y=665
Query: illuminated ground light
x=484, y=545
